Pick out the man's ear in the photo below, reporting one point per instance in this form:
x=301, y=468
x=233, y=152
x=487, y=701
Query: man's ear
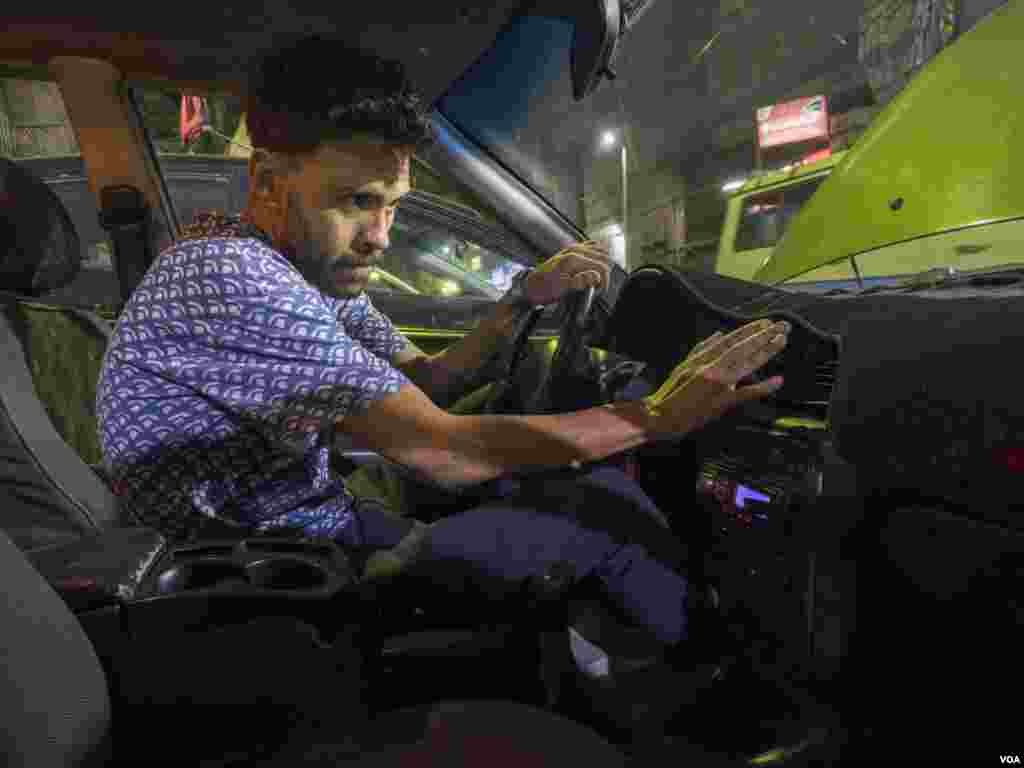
x=266, y=176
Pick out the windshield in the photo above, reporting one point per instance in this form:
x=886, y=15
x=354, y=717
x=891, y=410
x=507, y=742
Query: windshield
x=708, y=95
x=765, y=216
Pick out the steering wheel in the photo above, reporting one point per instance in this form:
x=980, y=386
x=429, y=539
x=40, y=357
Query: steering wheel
x=575, y=309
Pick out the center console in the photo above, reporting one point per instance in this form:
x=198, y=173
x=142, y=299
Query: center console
x=220, y=581
x=147, y=580
x=263, y=628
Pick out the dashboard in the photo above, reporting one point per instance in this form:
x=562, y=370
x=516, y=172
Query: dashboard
x=867, y=506
x=661, y=314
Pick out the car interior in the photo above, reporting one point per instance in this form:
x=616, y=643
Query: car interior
x=864, y=593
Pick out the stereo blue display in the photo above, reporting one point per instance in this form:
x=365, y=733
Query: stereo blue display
x=743, y=493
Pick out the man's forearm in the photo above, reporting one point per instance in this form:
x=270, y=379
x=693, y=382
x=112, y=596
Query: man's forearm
x=446, y=376
x=480, y=448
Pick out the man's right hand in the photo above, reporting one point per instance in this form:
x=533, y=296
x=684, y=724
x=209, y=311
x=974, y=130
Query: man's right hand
x=703, y=386
x=451, y=450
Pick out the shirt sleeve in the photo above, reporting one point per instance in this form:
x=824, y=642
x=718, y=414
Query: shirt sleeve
x=362, y=321
x=257, y=341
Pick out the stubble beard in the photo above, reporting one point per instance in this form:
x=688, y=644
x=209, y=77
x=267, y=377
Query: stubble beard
x=306, y=256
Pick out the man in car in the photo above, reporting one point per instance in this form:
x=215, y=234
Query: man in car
x=251, y=343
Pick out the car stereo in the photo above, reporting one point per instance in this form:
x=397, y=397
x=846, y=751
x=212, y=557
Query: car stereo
x=757, y=489
x=755, y=474
x=746, y=505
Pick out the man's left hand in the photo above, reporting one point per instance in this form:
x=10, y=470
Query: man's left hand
x=575, y=268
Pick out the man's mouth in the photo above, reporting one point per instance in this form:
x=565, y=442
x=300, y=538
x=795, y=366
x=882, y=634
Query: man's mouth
x=352, y=274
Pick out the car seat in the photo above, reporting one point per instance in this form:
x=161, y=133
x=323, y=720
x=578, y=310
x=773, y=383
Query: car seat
x=53, y=495
x=58, y=707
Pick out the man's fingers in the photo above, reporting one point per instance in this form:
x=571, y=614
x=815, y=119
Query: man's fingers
x=581, y=264
x=734, y=340
x=758, y=355
x=721, y=361
x=758, y=391
x=704, y=344
x=583, y=280
x=749, y=330
x=749, y=355
x=589, y=249
x=594, y=247
x=709, y=359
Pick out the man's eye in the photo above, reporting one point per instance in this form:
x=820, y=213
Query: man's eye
x=365, y=201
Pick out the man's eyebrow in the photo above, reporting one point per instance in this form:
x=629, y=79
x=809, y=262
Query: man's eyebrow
x=348, y=189
x=394, y=201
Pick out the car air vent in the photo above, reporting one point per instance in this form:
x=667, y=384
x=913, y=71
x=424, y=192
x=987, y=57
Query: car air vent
x=809, y=388
x=825, y=378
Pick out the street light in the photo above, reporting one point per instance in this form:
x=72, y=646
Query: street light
x=608, y=140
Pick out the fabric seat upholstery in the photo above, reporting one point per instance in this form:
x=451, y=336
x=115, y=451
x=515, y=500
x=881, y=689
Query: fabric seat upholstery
x=52, y=495
x=53, y=691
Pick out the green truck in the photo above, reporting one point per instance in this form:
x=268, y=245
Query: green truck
x=931, y=189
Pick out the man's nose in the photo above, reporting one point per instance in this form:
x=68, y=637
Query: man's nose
x=375, y=231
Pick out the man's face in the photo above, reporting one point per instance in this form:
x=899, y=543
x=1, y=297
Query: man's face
x=341, y=203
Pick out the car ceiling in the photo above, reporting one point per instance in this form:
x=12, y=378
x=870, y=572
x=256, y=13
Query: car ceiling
x=211, y=45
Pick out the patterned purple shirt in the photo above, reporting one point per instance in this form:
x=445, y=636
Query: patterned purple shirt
x=222, y=383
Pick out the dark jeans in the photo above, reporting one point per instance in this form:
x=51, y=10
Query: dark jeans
x=596, y=518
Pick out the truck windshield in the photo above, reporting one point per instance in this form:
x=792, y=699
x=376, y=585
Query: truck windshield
x=766, y=215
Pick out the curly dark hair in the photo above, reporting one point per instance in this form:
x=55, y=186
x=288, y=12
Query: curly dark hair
x=320, y=90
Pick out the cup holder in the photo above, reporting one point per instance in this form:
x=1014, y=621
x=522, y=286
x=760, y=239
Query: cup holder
x=286, y=573
x=201, y=574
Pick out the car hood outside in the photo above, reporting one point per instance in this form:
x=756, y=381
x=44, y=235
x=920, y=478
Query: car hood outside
x=944, y=155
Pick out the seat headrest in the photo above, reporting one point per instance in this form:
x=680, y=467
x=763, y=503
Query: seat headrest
x=39, y=247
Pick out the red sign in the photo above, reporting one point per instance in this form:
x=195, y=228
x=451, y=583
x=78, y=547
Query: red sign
x=792, y=122
x=193, y=118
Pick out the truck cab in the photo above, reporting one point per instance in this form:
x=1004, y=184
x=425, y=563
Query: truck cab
x=761, y=210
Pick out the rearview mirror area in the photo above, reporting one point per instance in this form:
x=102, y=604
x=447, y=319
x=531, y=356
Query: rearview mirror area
x=596, y=36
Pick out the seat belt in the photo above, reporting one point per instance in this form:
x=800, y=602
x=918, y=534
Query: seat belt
x=125, y=216
x=123, y=174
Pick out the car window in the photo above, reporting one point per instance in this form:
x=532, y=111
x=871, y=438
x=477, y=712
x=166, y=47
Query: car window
x=208, y=174
x=434, y=261
x=766, y=216
x=36, y=133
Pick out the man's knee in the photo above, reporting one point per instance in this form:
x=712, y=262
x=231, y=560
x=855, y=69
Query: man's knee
x=606, y=499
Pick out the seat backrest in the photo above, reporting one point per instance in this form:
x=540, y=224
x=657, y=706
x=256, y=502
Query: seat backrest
x=53, y=693
x=51, y=494
x=64, y=348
